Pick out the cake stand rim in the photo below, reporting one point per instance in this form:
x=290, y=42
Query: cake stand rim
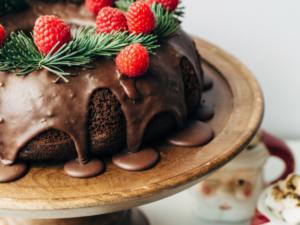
x=166, y=187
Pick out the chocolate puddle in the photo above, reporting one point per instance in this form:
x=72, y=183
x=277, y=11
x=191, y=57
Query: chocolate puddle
x=193, y=134
x=75, y=169
x=142, y=160
x=11, y=173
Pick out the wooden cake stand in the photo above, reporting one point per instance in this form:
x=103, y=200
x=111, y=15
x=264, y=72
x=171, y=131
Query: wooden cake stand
x=46, y=195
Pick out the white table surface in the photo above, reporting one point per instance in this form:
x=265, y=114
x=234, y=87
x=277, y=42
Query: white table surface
x=174, y=210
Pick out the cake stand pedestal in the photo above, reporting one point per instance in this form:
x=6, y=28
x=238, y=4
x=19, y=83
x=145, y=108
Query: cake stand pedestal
x=46, y=195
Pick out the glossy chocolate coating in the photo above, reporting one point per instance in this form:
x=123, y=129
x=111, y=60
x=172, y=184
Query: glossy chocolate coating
x=63, y=106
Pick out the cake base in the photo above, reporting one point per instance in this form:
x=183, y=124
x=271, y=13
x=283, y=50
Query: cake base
x=127, y=217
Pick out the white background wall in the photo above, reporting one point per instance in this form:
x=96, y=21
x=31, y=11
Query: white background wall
x=265, y=36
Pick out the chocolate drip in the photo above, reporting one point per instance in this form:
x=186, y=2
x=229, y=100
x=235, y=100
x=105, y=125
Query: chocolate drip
x=142, y=160
x=202, y=113
x=193, y=134
x=32, y=104
x=128, y=85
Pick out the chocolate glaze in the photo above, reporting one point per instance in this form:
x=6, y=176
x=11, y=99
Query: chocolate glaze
x=11, y=173
x=142, y=160
x=32, y=104
x=75, y=169
x=193, y=134
x=202, y=113
x=207, y=82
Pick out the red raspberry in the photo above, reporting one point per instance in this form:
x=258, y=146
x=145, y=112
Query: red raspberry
x=49, y=30
x=2, y=35
x=140, y=18
x=133, y=61
x=95, y=6
x=110, y=19
x=171, y=4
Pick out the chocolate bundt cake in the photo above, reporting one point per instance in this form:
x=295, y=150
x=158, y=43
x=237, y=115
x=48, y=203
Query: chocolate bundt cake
x=94, y=113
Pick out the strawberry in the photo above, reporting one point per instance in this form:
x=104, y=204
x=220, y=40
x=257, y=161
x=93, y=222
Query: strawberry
x=133, y=61
x=171, y=4
x=140, y=18
x=2, y=35
x=49, y=30
x=110, y=19
x=95, y=6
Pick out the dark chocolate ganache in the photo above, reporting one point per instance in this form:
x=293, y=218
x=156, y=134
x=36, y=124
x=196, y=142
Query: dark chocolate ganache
x=33, y=104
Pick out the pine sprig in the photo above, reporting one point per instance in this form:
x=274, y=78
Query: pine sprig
x=179, y=11
x=21, y=56
x=124, y=4
x=166, y=24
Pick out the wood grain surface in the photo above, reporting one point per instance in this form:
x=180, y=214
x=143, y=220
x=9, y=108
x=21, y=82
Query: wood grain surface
x=47, y=192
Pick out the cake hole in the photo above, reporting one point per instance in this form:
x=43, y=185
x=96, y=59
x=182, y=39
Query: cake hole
x=191, y=87
x=105, y=114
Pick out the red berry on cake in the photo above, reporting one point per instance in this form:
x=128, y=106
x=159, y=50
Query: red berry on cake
x=140, y=18
x=49, y=30
x=94, y=6
x=171, y=4
x=110, y=19
x=133, y=61
x=2, y=35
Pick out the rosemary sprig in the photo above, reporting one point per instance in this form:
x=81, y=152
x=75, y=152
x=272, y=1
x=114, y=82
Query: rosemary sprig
x=166, y=24
x=21, y=55
x=179, y=11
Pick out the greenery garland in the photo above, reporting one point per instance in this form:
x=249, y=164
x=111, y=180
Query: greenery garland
x=21, y=56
